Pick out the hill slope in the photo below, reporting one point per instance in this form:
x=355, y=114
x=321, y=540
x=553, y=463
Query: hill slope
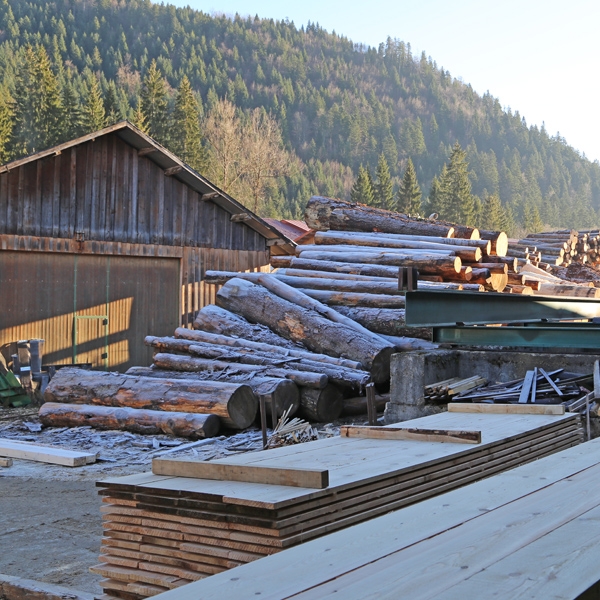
x=339, y=105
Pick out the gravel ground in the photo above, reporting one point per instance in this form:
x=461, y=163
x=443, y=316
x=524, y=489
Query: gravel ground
x=50, y=525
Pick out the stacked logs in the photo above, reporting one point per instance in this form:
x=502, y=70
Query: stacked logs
x=362, y=240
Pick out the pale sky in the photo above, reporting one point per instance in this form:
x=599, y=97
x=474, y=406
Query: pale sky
x=538, y=57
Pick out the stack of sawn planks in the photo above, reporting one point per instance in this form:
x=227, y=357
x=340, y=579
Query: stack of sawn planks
x=530, y=532
x=162, y=531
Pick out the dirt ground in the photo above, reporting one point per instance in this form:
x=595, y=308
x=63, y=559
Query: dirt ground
x=50, y=525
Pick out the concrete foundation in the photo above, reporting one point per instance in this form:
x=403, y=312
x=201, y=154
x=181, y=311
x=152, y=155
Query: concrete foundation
x=411, y=371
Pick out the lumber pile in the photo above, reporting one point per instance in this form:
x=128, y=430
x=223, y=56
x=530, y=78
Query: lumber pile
x=163, y=531
x=537, y=387
x=526, y=533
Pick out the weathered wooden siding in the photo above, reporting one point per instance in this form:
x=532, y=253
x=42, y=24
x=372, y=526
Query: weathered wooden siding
x=64, y=299
x=103, y=190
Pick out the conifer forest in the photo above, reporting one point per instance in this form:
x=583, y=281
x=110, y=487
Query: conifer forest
x=273, y=113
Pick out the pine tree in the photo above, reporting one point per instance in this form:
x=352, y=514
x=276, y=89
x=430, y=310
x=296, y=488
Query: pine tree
x=71, y=112
x=495, y=216
x=362, y=190
x=408, y=198
x=531, y=219
x=111, y=104
x=383, y=190
x=186, y=136
x=138, y=118
x=155, y=104
x=93, y=117
x=38, y=103
x=457, y=202
x=6, y=123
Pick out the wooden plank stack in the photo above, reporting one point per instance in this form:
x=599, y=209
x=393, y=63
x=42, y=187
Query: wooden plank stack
x=163, y=531
x=527, y=533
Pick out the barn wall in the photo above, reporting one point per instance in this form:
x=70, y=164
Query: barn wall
x=103, y=190
x=88, y=308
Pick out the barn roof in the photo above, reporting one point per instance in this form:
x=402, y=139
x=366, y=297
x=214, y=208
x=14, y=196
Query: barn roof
x=174, y=167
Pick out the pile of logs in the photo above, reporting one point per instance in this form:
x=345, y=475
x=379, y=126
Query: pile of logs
x=558, y=248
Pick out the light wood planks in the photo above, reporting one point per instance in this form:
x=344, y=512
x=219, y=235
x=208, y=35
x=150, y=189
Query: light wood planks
x=198, y=520
x=295, y=477
x=528, y=532
x=404, y=433
x=515, y=409
x=47, y=454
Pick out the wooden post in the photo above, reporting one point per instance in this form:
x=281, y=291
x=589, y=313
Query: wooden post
x=371, y=406
x=263, y=420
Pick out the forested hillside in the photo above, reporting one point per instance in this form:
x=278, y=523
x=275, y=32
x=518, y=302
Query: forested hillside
x=327, y=107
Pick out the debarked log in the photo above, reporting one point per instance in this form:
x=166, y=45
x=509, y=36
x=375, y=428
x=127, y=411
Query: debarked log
x=150, y=422
x=235, y=404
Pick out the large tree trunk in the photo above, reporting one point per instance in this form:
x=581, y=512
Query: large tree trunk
x=215, y=319
x=151, y=422
x=355, y=286
x=350, y=237
x=384, y=320
x=323, y=214
x=283, y=392
x=350, y=241
x=297, y=323
x=185, y=363
x=235, y=404
x=358, y=405
x=499, y=241
x=340, y=265
x=350, y=299
x=321, y=406
x=432, y=265
x=357, y=249
x=342, y=376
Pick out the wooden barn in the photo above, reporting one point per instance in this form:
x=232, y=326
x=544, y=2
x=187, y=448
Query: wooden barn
x=105, y=239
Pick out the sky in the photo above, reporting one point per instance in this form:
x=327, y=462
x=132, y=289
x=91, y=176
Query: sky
x=538, y=57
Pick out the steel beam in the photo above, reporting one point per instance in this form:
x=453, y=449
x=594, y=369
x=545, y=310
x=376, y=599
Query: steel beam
x=447, y=308
x=587, y=337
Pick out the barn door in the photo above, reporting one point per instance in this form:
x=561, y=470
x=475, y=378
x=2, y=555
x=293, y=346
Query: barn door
x=90, y=319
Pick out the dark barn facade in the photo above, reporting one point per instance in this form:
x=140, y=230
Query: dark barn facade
x=105, y=239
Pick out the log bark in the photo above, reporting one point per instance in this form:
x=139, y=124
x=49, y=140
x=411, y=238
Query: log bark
x=480, y=276
x=355, y=286
x=185, y=363
x=319, y=215
x=321, y=406
x=401, y=252
x=520, y=289
x=284, y=391
x=492, y=267
x=433, y=265
x=235, y=404
x=330, y=239
x=297, y=323
x=332, y=298
x=358, y=405
x=213, y=338
x=215, y=319
x=408, y=344
x=511, y=261
x=341, y=266
x=384, y=321
x=334, y=276
x=150, y=422
x=576, y=291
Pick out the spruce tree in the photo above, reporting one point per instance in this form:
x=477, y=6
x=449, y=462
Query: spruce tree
x=531, y=219
x=154, y=104
x=111, y=104
x=457, y=202
x=383, y=189
x=408, y=198
x=494, y=214
x=38, y=103
x=186, y=135
x=93, y=117
x=362, y=190
x=6, y=123
x=71, y=112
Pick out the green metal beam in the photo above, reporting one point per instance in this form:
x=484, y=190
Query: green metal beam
x=447, y=308
x=587, y=337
